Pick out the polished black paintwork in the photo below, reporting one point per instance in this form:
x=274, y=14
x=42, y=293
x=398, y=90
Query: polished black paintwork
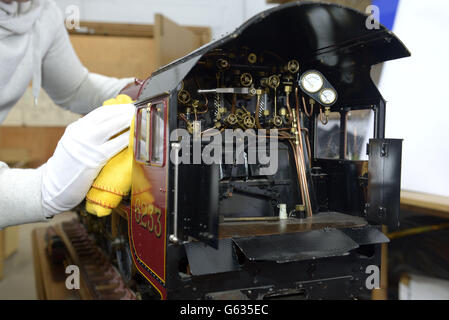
x=335, y=41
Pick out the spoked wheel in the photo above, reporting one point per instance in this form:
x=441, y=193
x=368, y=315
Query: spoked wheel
x=124, y=262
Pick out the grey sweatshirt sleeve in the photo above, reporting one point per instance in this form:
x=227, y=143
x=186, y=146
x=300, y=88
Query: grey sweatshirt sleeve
x=20, y=196
x=68, y=82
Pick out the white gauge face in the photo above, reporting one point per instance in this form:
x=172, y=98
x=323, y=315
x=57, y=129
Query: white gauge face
x=312, y=82
x=328, y=96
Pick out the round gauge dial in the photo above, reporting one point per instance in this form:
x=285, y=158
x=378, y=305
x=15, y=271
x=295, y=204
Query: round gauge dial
x=328, y=96
x=312, y=81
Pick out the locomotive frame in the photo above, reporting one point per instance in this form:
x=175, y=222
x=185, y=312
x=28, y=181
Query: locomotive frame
x=184, y=245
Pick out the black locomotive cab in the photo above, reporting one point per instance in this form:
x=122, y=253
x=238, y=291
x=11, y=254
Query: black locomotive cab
x=266, y=155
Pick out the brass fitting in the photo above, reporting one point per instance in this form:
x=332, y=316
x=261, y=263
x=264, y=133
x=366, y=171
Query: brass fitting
x=274, y=81
x=252, y=92
x=293, y=66
x=246, y=79
x=183, y=96
x=252, y=58
x=222, y=110
x=223, y=64
x=259, y=92
x=277, y=121
x=232, y=119
x=190, y=127
x=249, y=121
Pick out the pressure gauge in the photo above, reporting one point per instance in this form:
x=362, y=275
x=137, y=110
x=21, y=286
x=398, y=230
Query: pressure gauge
x=312, y=81
x=328, y=96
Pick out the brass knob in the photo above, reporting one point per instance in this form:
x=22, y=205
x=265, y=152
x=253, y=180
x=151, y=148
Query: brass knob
x=252, y=58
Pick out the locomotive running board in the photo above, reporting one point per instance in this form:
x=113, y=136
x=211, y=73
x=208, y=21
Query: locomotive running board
x=298, y=246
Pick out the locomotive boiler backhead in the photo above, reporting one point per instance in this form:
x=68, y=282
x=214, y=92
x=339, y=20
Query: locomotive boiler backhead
x=261, y=168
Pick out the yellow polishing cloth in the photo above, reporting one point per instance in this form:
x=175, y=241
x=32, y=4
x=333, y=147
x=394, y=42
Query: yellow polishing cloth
x=114, y=180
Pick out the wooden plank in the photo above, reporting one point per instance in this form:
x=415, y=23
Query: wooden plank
x=116, y=56
x=355, y=4
x=135, y=50
x=40, y=142
x=172, y=41
x=40, y=291
x=84, y=291
x=129, y=30
x=11, y=240
x=114, y=29
x=425, y=203
x=262, y=228
x=50, y=278
x=14, y=155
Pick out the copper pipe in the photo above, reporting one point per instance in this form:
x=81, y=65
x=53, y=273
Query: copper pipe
x=183, y=117
x=321, y=117
x=309, y=149
x=296, y=98
x=305, y=108
x=290, y=113
x=299, y=150
x=298, y=171
x=234, y=102
x=205, y=111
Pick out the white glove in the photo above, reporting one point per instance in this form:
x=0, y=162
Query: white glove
x=81, y=153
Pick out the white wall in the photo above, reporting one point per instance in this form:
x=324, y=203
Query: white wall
x=221, y=15
x=418, y=287
x=417, y=91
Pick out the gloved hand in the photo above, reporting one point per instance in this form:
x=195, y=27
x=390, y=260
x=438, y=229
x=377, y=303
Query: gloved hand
x=83, y=150
x=114, y=180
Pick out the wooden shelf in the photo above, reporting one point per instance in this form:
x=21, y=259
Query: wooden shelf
x=50, y=278
x=425, y=203
x=355, y=4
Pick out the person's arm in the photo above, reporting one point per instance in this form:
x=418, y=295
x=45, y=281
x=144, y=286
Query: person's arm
x=32, y=195
x=20, y=196
x=68, y=82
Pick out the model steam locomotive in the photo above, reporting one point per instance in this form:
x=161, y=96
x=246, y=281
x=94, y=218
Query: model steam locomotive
x=297, y=75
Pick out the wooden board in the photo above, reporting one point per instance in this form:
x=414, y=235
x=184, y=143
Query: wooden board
x=261, y=228
x=425, y=203
x=355, y=4
x=13, y=156
x=40, y=142
x=131, y=30
x=134, y=50
x=11, y=240
x=116, y=56
x=9, y=243
x=84, y=292
x=173, y=40
x=50, y=278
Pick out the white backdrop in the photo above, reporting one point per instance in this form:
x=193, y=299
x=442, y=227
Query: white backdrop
x=417, y=91
x=221, y=15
